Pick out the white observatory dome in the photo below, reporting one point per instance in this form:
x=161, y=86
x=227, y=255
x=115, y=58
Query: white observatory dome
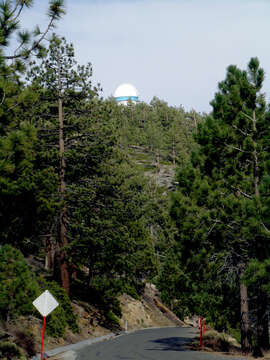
x=126, y=92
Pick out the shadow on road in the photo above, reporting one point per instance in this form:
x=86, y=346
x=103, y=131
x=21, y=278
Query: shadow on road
x=171, y=344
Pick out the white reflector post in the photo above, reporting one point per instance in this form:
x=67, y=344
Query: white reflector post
x=45, y=303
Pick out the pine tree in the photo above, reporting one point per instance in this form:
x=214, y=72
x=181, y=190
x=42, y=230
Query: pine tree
x=219, y=203
x=29, y=42
x=64, y=88
x=20, y=200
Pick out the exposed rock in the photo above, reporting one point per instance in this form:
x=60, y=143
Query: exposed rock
x=192, y=321
x=151, y=297
x=134, y=314
x=163, y=176
x=149, y=312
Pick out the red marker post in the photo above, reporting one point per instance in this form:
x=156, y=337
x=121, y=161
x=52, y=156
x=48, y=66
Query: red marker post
x=201, y=326
x=45, y=304
x=201, y=330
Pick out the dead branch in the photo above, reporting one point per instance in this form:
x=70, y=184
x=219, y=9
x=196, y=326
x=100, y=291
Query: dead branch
x=241, y=192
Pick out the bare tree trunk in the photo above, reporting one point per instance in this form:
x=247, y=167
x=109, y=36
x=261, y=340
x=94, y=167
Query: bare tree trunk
x=158, y=161
x=174, y=153
x=60, y=254
x=195, y=119
x=90, y=275
x=49, y=258
x=167, y=118
x=245, y=345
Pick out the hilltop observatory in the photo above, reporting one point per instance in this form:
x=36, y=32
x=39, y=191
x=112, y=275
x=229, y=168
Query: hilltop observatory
x=126, y=92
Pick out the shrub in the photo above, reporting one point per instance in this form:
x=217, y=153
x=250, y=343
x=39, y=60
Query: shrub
x=236, y=333
x=112, y=318
x=219, y=341
x=56, y=323
x=104, y=294
x=18, y=285
x=131, y=290
x=63, y=316
x=25, y=340
x=9, y=351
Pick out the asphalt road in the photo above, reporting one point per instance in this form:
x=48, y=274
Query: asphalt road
x=149, y=344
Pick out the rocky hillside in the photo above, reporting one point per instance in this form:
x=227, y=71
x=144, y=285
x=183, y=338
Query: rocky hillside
x=136, y=314
x=153, y=166
x=147, y=312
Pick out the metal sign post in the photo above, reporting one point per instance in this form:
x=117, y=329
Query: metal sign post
x=42, y=337
x=45, y=304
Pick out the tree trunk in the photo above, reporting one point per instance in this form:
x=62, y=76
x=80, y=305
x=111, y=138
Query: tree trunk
x=174, y=153
x=266, y=339
x=60, y=254
x=49, y=258
x=255, y=158
x=90, y=275
x=262, y=326
x=158, y=161
x=195, y=120
x=245, y=345
x=262, y=318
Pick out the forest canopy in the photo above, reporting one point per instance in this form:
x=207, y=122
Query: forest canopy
x=105, y=198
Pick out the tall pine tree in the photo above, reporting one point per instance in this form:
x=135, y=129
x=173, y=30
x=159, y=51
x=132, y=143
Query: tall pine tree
x=220, y=197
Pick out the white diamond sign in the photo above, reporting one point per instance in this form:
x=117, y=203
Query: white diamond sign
x=45, y=303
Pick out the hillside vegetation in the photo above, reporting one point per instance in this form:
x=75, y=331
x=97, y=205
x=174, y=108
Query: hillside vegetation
x=98, y=199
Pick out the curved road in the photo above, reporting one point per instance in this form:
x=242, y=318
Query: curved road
x=149, y=344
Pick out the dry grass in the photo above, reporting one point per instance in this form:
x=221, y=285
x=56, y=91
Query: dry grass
x=215, y=341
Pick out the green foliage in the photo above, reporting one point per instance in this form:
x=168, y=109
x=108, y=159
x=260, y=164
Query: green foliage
x=236, y=334
x=18, y=286
x=10, y=351
x=257, y=275
x=164, y=131
x=114, y=239
x=25, y=340
x=24, y=189
x=118, y=227
x=132, y=289
x=63, y=316
x=220, y=204
x=28, y=42
x=110, y=316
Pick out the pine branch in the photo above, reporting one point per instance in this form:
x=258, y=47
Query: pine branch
x=55, y=11
x=19, y=12
x=241, y=131
x=12, y=107
x=34, y=46
x=247, y=116
x=212, y=228
x=236, y=148
x=242, y=192
x=265, y=228
x=3, y=99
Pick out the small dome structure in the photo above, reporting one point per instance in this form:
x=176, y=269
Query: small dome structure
x=126, y=92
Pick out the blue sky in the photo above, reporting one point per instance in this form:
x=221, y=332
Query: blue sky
x=177, y=50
